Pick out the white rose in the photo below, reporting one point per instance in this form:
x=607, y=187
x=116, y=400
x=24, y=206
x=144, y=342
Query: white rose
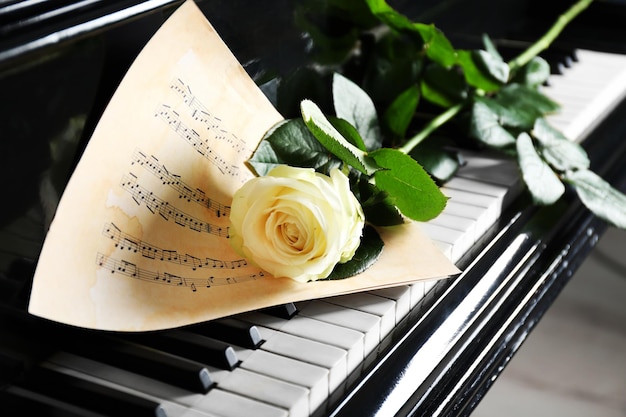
x=296, y=223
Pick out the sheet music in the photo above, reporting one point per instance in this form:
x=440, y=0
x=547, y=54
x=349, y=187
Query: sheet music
x=140, y=237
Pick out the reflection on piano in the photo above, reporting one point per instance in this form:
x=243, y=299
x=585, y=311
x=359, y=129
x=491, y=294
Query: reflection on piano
x=423, y=349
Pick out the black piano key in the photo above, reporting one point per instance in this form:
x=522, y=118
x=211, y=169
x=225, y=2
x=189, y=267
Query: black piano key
x=90, y=395
x=231, y=331
x=284, y=311
x=19, y=402
x=192, y=346
x=162, y=366
x=559, y=59
x=10, y=368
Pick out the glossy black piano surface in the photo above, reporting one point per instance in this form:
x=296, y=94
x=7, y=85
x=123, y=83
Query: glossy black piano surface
x=60, y=62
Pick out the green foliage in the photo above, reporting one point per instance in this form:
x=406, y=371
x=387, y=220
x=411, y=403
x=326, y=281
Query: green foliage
x=485, y=125
x=291, y=143
x=408, y=185
x=543, y=183
x=357, y=108
x=443, y=86
x=377, y=206
x=557, y=150
x=394, y=82
x=365, y=256
x=396, y=179
x=333, y=140
x=599, y=196
x=399, y=114
x=441, y=163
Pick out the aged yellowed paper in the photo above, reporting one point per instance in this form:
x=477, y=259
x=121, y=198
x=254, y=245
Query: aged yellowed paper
x=140, y=237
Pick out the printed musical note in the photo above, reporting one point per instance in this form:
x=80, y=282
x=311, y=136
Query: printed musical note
x=121, y=241
x=167, y=211
x=202, y=145
x=185, y=191
x=123, y=267
x=201, y=114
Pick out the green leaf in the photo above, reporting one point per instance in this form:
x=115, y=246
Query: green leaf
x=400, y=113
x=557, y=150
x=543, y=184
x=378, y=208
x=409, y=186
x=437, y=47
x=508, y=116
x=394, y=64
x=533, y=74
x=365, y=256
x=264, y=159
x=526, y=102
x=290, y=142
x=490, y=47
x=440, y=163
x=599, y=196
x=388, y=15
x=348, y=131
x=442, y=86
x=475, y=72
x=354, y=105
x=485, y=126
x=493, y=64
x=332, y=140
x=518, y=107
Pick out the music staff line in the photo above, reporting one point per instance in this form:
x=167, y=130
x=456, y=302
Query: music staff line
x=125, y=241
x=173, y=119
x=123, y=267
x=158, y=206
x=185, y=191
x=201, y=114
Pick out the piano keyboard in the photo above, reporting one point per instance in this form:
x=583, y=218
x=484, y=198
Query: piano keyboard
x=290, y=360
x=585, y=90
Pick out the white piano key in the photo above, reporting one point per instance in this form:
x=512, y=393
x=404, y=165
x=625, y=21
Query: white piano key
x=190, y=412
x=585, y=91
x=402, y=297
x=261, y=387
x=462, y=224
x=429, y=285
x=477, y=187
x=491, y=205
x=460, y=242
x=228, y=404
x=312, y=377
x=482, y=188
x=479, y=215
x=286, y=369
x=278, y=370
x=373, y=304
x=365, y=323
x=293, y=398
x=328, y=357
x=417, y=293
x=247, y=383
x=349, y=340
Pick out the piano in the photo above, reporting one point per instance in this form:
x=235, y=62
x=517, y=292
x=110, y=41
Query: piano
x=430, y=348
